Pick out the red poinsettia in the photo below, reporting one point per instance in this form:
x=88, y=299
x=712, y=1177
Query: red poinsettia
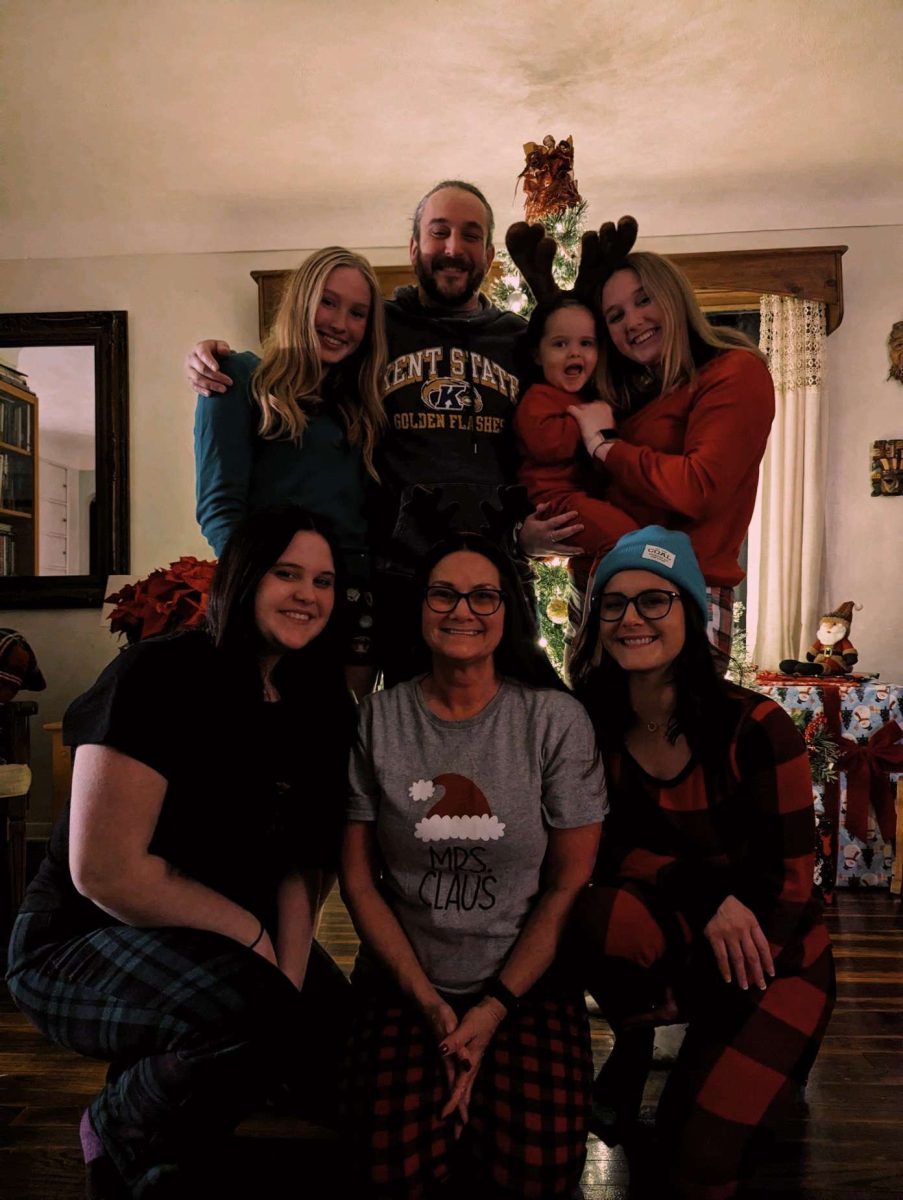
x=170, y=598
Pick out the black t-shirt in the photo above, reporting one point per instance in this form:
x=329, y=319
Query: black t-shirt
x=253, y=789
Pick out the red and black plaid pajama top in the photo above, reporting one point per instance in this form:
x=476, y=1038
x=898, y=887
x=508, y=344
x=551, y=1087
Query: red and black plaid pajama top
x=672, y=851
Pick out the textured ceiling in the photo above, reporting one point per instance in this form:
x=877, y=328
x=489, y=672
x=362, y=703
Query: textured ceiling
x=145, y=126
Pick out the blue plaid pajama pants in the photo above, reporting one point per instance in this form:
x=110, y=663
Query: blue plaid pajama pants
x=197, y=1031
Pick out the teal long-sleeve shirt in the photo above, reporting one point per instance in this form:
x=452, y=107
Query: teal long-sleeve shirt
x=238, y=471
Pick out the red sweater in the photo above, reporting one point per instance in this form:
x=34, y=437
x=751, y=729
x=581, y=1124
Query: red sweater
x=695, y=452
x=554, y=467
x=549, y=443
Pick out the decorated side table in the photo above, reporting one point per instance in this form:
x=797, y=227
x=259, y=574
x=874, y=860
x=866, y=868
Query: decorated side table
x=855, y=806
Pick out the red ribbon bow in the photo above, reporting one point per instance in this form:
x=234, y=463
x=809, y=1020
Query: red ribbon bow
x=868, y=765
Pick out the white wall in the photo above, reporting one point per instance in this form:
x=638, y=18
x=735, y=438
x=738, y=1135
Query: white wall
x=865, y=532
x=173, y=300
x=68, y=449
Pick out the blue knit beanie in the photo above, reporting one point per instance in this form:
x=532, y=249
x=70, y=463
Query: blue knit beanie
x=664, y=552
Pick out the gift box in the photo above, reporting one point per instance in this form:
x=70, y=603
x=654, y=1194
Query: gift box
x=855, y=811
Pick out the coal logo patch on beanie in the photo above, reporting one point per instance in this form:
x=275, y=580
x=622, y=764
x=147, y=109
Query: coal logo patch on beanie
x=659, y=555
x=664, y=552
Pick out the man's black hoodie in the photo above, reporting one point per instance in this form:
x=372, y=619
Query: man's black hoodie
x=447, y=459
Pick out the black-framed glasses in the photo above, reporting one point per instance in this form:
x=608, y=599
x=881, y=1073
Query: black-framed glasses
x=653, y=604
x=482, y=601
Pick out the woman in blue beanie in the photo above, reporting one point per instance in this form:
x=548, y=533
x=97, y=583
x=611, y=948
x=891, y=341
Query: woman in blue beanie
x=703, y=908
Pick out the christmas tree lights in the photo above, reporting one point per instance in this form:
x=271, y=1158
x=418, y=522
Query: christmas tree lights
x=551, y=198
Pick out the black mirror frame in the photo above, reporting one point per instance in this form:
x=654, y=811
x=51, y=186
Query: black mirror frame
x=107, y=332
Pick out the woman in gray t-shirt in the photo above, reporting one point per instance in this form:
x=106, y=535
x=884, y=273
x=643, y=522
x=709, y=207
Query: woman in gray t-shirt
x=476, y=800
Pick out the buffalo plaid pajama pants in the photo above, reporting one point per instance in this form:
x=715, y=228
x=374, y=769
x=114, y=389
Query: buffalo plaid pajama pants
x=745, y=1053
x=528, y=1114
x=196, y=1030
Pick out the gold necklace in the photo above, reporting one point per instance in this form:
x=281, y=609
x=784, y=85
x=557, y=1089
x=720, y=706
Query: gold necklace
x=656, y=726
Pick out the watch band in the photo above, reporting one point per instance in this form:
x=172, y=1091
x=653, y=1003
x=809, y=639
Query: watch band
x=609, y=435
x=497, y=990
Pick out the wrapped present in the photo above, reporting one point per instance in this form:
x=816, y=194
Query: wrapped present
x=854, y=801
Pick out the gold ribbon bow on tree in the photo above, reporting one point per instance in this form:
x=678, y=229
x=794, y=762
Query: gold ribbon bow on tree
x=548, y=178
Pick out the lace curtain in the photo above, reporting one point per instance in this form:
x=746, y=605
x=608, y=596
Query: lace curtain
x=786, y=536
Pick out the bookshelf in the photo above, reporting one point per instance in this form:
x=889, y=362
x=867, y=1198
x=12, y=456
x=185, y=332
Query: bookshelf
x=18, y=474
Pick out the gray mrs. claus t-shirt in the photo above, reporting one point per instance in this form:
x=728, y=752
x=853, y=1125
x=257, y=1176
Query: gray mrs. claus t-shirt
x=462, y=812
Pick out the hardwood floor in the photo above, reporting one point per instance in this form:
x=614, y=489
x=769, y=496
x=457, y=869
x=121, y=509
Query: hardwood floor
x=847, y=1142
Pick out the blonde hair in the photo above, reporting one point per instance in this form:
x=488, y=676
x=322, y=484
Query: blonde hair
x=685, y=329
x=289, y=380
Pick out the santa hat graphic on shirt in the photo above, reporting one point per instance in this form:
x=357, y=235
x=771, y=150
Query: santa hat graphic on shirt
x=460, y=810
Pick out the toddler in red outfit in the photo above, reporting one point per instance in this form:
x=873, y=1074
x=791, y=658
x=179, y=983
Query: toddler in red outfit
x=560, y=351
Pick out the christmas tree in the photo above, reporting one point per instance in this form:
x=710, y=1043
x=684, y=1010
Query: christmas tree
x=551, y=198
x=741, y=669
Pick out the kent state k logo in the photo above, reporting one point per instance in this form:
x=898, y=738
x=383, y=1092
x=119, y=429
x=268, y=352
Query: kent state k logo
x=451, y=395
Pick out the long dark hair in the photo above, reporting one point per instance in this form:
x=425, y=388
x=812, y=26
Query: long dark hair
x=702, y=713
x=528, y=369
x=518, y=655
x=255, y=545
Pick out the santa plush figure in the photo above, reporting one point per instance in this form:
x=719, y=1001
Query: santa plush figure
x=832, y=652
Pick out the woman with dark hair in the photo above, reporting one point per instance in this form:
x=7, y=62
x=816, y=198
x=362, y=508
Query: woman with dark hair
x=703, y=902
x=476, y=797
x=170, y=928
x=518, y=653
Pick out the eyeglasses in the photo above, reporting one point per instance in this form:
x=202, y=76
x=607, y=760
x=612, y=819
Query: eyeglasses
x=652, y=605
x=482, y=602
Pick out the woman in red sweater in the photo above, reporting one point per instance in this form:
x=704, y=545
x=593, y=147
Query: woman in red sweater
x=682, y=423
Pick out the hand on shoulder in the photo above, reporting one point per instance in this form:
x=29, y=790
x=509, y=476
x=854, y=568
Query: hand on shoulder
x=202, y=367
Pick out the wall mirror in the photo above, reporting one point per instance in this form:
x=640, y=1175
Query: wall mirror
x=64, y=500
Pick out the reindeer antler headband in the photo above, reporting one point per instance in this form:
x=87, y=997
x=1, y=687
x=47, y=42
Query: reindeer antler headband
x=533, y=252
